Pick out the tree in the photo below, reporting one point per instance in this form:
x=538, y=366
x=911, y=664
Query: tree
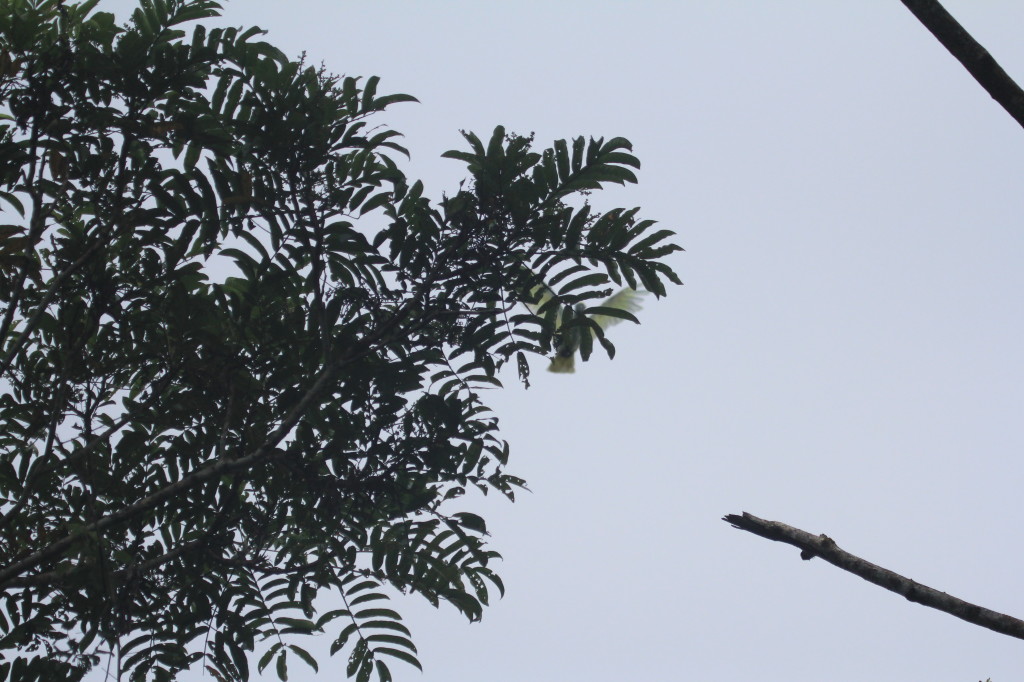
x=242, y=355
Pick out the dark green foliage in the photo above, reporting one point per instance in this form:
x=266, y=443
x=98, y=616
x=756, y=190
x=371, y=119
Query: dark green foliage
x=225, y=394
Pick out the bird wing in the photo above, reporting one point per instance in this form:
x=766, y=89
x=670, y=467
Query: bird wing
x=626, y=299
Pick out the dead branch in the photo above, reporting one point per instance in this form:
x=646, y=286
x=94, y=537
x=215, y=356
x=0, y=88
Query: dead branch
x=969, y=52
x=823, y=546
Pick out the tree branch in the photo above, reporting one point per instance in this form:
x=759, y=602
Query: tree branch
x=824, y=547
x=969, y=52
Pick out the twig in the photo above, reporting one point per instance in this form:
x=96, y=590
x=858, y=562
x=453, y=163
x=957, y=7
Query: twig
x=826, y=548
x=969, y=52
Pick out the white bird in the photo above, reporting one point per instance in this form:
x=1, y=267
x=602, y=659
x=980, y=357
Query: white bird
x=567, y=341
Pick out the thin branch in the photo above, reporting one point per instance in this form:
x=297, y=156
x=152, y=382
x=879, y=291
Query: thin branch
x=826, y=548
x=969, y=52
x=60, y=575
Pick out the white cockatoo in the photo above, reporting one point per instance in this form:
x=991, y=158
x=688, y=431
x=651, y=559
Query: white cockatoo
x=567, y=341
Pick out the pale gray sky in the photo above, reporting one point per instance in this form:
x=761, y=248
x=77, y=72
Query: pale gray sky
x=845, y=356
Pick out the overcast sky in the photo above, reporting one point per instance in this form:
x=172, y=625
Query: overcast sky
x=845, y=356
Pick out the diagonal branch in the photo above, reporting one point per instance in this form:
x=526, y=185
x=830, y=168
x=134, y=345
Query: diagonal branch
x=826, y=548
x=969, y=52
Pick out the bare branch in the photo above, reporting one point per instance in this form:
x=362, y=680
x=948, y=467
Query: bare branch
x=969, y=52
x=826, y=548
